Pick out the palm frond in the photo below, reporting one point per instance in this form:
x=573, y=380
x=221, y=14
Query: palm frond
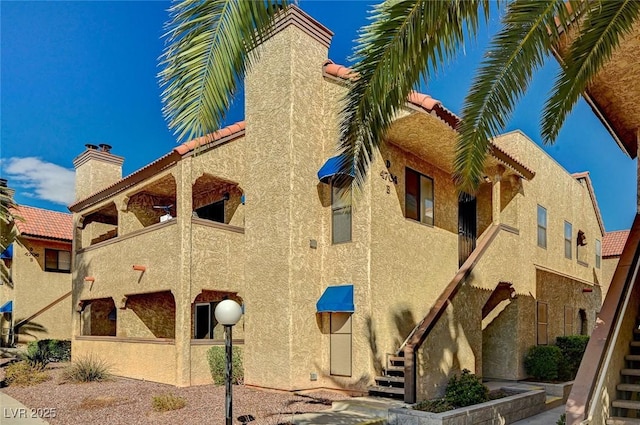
x=515, y=53
x=407, y=39
x=206, y=58
x=605, y=24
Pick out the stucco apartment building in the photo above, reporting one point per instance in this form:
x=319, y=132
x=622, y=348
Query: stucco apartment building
x=36, y=299
x=330, y=285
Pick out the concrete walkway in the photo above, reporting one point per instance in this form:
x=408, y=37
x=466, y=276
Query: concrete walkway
x=550, y=417
x=12, y=412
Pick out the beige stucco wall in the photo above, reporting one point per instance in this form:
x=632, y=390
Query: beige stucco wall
x=34, y=289
x=265, y=256
x=94, y=176
x=609, y=265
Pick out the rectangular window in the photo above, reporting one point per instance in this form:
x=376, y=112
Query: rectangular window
x=204, y=321
x=598, y=253
x=543, y=323
x=340, y=214
x=418, y=198
x=568, y=236
x=568, y=320
x=57, y=261
x=542, y=227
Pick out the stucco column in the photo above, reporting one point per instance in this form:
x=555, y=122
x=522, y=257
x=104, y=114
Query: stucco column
x=495, y=194
x=182, y=291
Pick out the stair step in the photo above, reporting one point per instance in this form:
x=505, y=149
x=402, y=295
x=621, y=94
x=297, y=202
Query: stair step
x=386, y=390
x=635, y=343
x=396, y=379
x=628, y=387
x=626, y=404
x=622, y=421
x=630, y=372
x=395, y=369
x=632, y=357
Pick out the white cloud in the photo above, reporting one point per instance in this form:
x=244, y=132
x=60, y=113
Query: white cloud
x=39, y=179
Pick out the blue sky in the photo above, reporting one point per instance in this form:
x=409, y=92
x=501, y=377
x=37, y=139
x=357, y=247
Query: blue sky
x=86, y=72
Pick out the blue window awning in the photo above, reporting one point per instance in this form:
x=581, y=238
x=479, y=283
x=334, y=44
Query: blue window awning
x=336, y=299
x=7, y=254
x=331, y=168
x=7, y=307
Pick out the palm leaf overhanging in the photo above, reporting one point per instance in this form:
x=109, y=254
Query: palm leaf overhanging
x=409, y=39
x=604, y=24
x=8, y=231
x=206, y=58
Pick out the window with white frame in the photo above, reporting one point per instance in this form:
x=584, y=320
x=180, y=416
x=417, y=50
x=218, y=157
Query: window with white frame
x=340, y=213
x=542, y=226
x=419, y=203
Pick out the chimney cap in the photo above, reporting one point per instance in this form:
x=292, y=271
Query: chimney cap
x=91, y=146
x=105, y=147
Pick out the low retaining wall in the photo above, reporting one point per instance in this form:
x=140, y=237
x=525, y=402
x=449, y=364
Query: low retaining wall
x=502, y=411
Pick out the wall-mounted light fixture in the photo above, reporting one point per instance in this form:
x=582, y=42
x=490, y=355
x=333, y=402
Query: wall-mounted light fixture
x=139, y=268
x=89, y=279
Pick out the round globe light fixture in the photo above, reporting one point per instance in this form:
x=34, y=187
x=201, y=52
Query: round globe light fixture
x=228, y=312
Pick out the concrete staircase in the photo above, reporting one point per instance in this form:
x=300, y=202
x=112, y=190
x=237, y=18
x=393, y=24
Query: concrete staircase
x=627, y=406
x=391, y=383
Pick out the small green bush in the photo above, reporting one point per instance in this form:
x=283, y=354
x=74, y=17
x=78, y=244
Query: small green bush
x=438, y=405
x=562, y=420
x=466, y=390
x=49, y=350
x=217, y=358
x=166, y=402
x=25, y=373
x=572, y=348
x=87, y=369
x=542, y=362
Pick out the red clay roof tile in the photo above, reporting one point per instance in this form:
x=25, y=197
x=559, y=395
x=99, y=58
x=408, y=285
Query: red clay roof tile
x=613, y=243
x=233, y=129
x=44, y=223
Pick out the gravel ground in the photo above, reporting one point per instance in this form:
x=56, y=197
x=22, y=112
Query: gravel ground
x=127, y=401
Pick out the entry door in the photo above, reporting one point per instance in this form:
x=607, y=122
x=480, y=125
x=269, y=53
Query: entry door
x=340, y=344
x=467, y=218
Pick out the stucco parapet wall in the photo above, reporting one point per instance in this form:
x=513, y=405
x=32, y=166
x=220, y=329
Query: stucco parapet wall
x=565, y=275
x=164, y=341
x=216, y=225
x=136, y=233
x=213, y=342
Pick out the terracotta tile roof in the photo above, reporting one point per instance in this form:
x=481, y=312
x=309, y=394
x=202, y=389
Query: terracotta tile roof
x=44, y=223
x=430, y=105
x=229, y=132
x=592, y=194
x=419, y=100
x=613, y=243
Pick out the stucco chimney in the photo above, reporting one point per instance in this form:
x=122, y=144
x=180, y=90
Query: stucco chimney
x=96, y=168
x=6, y=189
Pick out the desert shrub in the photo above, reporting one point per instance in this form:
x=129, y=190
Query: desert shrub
x=217, y=358
x=562, y=420
x=572, y=348
x=166, y=402
x=49, y=350
x=542, y=362
x=465, y=390
x=25, y=373
x=87, y=369
x=37, y=353
x=438, y=405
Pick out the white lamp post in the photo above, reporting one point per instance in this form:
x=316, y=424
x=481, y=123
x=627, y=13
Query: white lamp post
x=228, y=312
